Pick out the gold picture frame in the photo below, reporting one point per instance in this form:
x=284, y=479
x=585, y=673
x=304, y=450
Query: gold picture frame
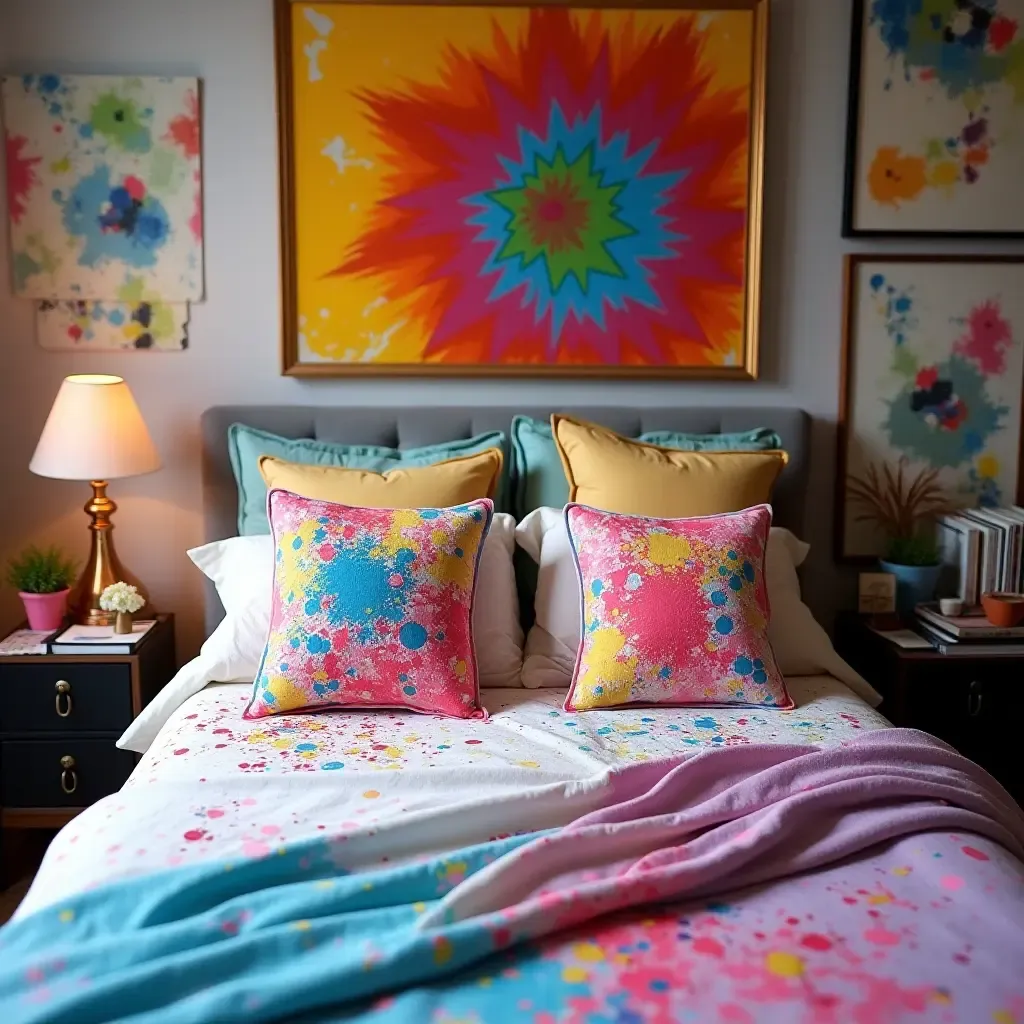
x=670, y=295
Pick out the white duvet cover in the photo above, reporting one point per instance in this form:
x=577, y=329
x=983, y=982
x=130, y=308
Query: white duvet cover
x=214, y=785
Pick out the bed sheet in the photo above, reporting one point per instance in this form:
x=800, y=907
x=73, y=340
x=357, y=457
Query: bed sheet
x=214, y=785
x=527, y=730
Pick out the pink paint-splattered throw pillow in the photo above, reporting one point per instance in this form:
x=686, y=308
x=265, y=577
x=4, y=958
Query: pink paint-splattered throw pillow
x=675, y=611
x=371, y=608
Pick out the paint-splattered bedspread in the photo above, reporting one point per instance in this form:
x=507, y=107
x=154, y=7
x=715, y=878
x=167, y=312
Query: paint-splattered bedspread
x=213, y=785
x=877, y=881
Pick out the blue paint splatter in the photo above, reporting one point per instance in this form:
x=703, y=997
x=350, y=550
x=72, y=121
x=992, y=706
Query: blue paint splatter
x=110, y=232
x=412, y=635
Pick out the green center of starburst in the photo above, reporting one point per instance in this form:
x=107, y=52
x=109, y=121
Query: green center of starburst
x=564, y=215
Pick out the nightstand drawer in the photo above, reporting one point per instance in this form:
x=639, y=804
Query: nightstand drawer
x=67, y=697
x=62, y=773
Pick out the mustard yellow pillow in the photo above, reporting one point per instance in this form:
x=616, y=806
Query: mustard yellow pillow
x=441, y=485
x=611, y=472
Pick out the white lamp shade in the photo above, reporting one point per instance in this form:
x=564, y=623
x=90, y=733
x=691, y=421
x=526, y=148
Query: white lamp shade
x=94, y=432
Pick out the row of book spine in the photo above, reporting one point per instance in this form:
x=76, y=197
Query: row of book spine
x=983, y=552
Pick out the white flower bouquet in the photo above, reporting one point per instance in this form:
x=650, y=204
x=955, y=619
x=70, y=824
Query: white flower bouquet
x=121, y=597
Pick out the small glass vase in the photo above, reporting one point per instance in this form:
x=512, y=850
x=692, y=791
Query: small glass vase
x=123, y=622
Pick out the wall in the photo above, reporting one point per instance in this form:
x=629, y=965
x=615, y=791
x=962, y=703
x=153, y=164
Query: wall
x=234, y=348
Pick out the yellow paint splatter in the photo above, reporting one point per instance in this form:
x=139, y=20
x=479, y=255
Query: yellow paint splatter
x=66, y=916
x=287, y=695
x=1004, y=1017
x=785, y=965
x=442, y=950
x=945, y=174
x=302, y=926
x=419, y=907
x=393, y=752
x=667, y=550
x=589, y=951
x=988, y=466
x=528, y=764
x=394, y=540
x=371, y=794
x=879, y=899
x=604, y=668
x=448, y=567
x=324, y=883
x=574, y=975
x=282, y=744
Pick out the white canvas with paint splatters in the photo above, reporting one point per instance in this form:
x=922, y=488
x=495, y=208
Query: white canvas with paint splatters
x=104, y=187
x=87, y=326
x=936, y=368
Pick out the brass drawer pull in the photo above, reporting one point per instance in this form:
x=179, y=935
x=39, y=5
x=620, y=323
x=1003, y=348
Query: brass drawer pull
x=63, y=690
x=68, y=775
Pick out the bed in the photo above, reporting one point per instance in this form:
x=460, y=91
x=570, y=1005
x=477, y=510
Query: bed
x=644, y=865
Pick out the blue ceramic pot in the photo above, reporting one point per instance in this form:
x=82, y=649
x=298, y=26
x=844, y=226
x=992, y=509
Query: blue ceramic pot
x=915, y=584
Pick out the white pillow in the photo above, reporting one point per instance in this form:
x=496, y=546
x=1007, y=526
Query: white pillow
x=242, y=571
x=801, y=646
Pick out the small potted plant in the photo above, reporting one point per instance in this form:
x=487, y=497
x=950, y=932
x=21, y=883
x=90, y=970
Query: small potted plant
x=125, y=600
x=904, y=506
x=43, y=581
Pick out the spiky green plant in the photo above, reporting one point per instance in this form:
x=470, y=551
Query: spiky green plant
x=41, y=571
x=917, y=550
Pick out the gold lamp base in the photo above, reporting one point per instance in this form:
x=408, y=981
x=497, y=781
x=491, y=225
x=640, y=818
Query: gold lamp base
x=103, y=567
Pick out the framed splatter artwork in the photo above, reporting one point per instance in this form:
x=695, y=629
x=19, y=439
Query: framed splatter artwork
x=541, y=189
x=936, y=120
x=103, y=186
x=933, y=379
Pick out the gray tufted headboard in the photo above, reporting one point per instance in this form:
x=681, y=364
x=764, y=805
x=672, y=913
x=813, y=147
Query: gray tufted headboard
x=414, y=427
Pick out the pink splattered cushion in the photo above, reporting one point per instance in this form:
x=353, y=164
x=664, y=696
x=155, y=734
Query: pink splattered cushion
x=675, y=611
x=371, y=608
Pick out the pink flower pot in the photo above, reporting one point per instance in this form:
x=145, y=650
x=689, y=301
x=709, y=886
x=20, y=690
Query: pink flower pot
x=45, y=611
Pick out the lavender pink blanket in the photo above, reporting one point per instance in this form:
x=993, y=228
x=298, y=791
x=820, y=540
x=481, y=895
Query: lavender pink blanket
x=894, y=866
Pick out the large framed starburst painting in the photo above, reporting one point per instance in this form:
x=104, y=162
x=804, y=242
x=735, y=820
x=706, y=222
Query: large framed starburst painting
x=471, y=188
x=930, y=400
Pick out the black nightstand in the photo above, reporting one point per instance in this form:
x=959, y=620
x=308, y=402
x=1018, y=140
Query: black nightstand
x=975, y=703
x=59, y=719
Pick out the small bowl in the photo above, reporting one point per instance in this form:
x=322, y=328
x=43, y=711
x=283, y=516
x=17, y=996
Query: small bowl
x=1005, y=610
x=951, y=607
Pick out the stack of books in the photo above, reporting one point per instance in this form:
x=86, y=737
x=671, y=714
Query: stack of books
x=982, y=552
x=967, y=635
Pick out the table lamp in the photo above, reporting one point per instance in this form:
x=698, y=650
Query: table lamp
x=95, y=432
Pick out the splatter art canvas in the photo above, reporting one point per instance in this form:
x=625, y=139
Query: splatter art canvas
x=934, y=376
x=937, y=118
x=112, y=326
x=104, y=187
x=531, y=190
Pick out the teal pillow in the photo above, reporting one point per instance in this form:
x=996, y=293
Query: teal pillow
x=538, y=479
x=247, y=444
